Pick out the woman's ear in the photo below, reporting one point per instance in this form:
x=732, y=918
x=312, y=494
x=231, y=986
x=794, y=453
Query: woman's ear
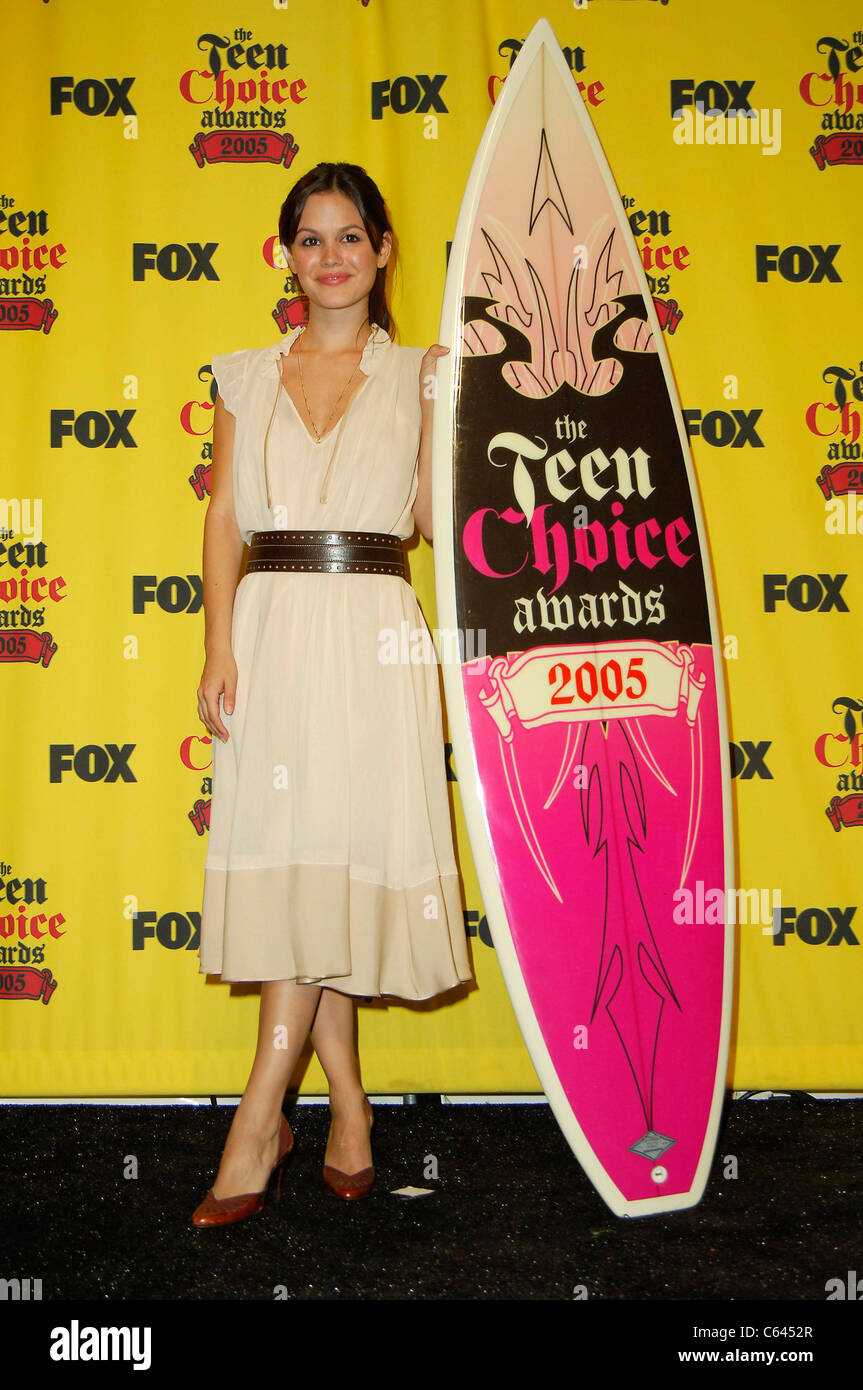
x=386, y=248
x=289, y=260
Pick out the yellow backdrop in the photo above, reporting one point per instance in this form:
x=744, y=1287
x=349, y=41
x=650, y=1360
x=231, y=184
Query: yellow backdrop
x=146, y=154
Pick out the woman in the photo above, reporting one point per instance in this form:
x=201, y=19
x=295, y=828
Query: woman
x=330, y=872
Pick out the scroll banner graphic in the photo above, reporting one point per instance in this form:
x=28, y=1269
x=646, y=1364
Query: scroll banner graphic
x=845, y=810
x=571, y=684
x=27, y=313
x=837, y=149
x=267, y=147
x=26, y=983
x=840, y=479
x=36, y=647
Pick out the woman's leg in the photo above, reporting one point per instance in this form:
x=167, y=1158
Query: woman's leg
x=333, y=1037
x=286, y=1015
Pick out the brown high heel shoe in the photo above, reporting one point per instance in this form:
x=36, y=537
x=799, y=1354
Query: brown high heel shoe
x=351, y=1185
x=221, y=1211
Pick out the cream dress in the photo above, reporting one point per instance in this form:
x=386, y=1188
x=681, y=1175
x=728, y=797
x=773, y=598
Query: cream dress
x=330, y=855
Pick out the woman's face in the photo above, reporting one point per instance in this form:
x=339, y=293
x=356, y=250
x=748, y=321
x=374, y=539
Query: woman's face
x=331, y=253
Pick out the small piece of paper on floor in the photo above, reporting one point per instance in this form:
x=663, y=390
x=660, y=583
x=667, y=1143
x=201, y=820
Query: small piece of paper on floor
x=411, y=1191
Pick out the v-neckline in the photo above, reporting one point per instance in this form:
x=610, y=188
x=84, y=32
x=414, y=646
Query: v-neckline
x=323, y=439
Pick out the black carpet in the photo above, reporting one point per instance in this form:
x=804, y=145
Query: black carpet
x=511, y=1215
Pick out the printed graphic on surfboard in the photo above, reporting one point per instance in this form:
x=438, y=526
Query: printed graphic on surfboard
x=594, y=716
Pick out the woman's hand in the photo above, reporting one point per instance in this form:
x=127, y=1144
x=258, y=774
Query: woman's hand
x=219, y=677
x=428, y=383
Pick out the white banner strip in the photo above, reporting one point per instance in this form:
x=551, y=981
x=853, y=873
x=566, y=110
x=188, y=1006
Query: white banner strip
x=620, y=680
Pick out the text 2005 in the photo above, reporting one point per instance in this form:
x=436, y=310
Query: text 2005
x=590, y=679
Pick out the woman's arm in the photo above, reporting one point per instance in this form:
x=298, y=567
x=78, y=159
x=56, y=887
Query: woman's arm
x=223, y=551
x=422, y=508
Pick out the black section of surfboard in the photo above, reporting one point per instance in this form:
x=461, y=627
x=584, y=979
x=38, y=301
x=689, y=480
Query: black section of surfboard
x=636, y=413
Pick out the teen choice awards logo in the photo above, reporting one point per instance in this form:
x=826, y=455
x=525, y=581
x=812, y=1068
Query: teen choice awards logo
x=245, y=94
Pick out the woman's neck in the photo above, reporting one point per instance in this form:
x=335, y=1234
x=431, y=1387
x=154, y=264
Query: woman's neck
x=336, y=331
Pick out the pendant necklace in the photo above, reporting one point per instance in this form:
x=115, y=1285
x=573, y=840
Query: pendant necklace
x=320, y=435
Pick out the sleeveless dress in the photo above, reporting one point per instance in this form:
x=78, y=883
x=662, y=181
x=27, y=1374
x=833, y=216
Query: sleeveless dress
x=330, y=856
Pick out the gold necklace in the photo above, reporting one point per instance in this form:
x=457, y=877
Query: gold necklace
x=319, y=436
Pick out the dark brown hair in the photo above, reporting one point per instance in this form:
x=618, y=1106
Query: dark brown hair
x=364, y=193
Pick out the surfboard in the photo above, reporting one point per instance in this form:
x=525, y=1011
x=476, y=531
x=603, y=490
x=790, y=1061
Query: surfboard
x=583, y=679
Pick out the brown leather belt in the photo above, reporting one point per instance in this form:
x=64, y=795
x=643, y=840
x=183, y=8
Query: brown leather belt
x=330, y=552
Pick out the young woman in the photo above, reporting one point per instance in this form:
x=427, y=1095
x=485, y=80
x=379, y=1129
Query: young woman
x=330, y=872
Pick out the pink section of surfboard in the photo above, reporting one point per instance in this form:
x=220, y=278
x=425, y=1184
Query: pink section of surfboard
x=624, y=995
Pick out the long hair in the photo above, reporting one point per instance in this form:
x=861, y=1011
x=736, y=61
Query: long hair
x=364, y=193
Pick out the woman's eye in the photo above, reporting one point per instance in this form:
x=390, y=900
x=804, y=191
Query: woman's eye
x=313, y=240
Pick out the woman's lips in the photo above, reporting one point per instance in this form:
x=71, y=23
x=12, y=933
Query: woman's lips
x=331, y=279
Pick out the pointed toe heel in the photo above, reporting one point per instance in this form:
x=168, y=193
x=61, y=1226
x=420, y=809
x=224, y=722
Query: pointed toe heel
x=350, y=1186
x=223, y=1211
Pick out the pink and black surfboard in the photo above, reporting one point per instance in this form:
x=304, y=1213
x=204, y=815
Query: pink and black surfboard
x=587, y=718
